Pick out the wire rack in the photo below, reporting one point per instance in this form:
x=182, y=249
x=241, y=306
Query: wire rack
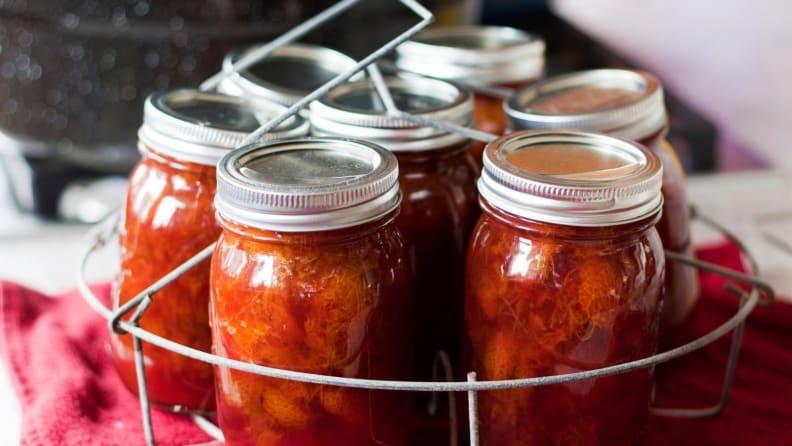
x=105, y=233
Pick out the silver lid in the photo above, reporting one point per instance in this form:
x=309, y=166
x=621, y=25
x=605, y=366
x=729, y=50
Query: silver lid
x=287, y=74
x=571, y=178
x=307, y=184
x=624, y=103
x=484, y=55
x=200, y=127
x=354, y=110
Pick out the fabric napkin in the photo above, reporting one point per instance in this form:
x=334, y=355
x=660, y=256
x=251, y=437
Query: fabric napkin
x=56, y=351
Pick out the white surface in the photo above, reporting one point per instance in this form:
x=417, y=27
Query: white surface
x=729, y=59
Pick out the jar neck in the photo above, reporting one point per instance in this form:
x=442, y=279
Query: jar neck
x=571, y=232
x=309, y=237
x=151, y=154
x=435, y=154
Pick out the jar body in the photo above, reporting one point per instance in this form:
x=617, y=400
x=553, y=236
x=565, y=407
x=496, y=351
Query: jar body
x=438, y=213
x=681, y=290
x=544, y=299
x=334, y=303
x=169, y=217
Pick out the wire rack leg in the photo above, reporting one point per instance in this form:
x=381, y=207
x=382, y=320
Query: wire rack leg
x=443, y=360
x=728, y=379
x=145, y=407
x=473, y=422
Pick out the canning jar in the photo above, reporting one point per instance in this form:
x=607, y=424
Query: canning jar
x=437, y=178
x=627, y=104
x=564, y=274
x=285, y=75
x=309, y=275
x=169, y=217
x=489, y=56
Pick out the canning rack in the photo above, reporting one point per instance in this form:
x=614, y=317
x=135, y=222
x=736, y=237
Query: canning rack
x=105, y=232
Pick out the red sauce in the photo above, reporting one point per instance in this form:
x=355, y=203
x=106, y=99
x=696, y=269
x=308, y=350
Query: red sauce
x=169, y=218
x=681, y=291
x=545, y=299
x=333, y=303
x=438, y=212
x=674, y=225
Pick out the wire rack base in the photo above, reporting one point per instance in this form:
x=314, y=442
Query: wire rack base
x=105, y=232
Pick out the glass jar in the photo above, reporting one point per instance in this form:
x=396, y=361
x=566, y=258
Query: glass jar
x=169, y=217
x=309, y=275
x=627, y=104
x=285, y=75
x=437, y=178
x=565, y=274
x=489, y=56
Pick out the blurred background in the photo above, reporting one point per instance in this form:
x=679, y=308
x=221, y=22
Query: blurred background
x=74, y=74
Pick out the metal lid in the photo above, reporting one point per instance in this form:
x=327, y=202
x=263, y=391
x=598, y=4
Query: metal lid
x=200, y=127
x=355, y=110
x=485, y=55
x=307, y=184
x=623, y=103
x=571, y=178
x=287, y=74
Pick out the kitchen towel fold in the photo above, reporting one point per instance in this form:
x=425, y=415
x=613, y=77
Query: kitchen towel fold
x=56, y=353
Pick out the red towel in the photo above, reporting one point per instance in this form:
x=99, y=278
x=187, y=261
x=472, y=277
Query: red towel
x=56, y=352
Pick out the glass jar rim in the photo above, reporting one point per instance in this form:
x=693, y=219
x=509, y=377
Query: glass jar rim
x=622, y=184
x=307, y=184
x=635, y=119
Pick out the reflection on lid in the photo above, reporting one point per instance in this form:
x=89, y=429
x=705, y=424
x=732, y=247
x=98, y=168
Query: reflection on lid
x=306, y=167
x=292, y=73
x=572, y=162
x=583, y=100
x=367, y=100
x=229, y=115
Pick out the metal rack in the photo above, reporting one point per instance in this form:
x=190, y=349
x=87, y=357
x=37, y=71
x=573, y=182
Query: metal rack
x=104, y=233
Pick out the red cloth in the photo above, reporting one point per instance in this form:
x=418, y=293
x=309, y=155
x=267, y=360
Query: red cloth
x=760, y=409
x=56, y=352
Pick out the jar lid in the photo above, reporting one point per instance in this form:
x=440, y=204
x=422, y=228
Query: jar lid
x=287, y=74
x=200, y=127
x=623, y=103
x=571, y=178
x=485, y=55
x=355, y=110
x=307, y=184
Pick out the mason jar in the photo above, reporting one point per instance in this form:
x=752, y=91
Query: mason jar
x=437, y=178
x=627, y=104
x=169, y=217
x=565, y=273
x=309, y=275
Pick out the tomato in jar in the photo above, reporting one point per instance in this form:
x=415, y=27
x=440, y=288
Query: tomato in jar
x=168, y=218
x=484, y=56
x=309, y=275
x=437, y=179
x=564, y=274
x=627, y=104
